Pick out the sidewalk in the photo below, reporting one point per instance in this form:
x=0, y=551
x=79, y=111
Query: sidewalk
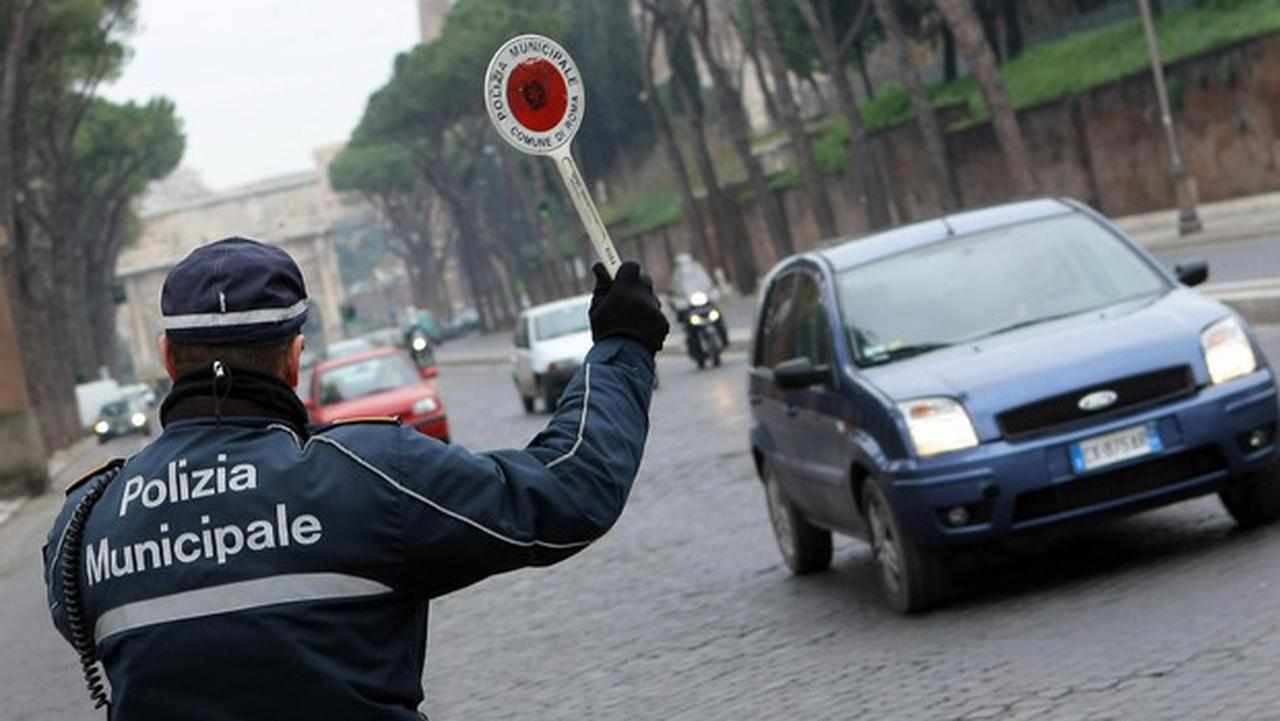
x=77, y=457
x=1226, y=221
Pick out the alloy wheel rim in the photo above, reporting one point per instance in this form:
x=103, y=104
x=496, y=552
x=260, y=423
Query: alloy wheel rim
x=780, y=518
x=884, y=547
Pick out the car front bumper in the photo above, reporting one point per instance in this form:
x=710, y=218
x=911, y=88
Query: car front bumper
x=1010, y=486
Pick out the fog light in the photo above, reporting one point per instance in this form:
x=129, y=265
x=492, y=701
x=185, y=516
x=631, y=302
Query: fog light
x=957, y=516
x=1257, y=439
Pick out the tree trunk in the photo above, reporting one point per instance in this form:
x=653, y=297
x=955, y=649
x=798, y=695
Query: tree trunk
x=934, y=142
x=990, y=23
x=861, y=55
x=962, y=20
x=950, y=69
x=1013, y=28
x=775, y=112
x=862, y=160
x=729, y=100
x=801, y=143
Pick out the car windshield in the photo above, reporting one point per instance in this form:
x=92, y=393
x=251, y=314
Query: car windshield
x=562, y=321
x=365, y=378
x=983, y=284
x=115, y=409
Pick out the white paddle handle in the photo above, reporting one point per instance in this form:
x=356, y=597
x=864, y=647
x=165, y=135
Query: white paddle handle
x=586, y=207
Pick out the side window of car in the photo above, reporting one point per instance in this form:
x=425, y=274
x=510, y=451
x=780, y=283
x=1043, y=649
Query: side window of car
x=812, y=332
x=776, y=327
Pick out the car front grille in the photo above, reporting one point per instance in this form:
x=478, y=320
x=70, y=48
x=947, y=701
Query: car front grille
x=1132, y=393
x=1114, y=485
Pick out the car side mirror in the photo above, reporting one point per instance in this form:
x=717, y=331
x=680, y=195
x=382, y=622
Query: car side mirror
x=800, y=373
x=1192, y=273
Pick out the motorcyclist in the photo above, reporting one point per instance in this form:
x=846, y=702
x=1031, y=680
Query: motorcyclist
x=689, y=278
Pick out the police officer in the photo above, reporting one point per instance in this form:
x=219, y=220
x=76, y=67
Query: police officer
x=244, y=566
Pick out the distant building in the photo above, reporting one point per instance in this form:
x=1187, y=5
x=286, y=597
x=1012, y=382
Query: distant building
x=431, y=14
x=298, y=211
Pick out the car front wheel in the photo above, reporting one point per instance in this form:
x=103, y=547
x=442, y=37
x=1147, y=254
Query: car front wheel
x=805, y=548
x=912, y=577
x=1255, y=500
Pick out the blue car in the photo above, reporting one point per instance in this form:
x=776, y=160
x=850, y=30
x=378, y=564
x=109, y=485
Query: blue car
x=996, y=371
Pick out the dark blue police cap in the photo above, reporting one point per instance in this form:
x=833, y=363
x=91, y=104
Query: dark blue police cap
x=234, y=291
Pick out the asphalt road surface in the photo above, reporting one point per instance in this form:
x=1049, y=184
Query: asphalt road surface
x=1242, y=260
x=685, y=610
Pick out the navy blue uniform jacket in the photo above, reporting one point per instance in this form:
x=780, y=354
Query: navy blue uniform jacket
x=237, y=571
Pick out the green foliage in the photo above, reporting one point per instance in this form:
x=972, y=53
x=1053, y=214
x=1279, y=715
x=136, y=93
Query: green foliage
x=604, y=42
x=374, y=169
x=1085, y=60
x=119, y=148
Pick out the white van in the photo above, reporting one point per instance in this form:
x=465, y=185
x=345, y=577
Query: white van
x=551, y=342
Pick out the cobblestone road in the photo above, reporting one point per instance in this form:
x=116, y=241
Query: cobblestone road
x=686, y=612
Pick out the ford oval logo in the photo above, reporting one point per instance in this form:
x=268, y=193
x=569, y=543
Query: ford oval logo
x=1097, y=400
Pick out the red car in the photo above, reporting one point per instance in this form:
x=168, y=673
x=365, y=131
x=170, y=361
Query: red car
x=381, y=382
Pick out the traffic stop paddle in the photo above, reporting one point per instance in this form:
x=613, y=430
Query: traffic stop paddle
x=535, y=99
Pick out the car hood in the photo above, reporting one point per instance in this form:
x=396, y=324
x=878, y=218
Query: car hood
x=396, y=402
x=568, y=347
x=1022, y=366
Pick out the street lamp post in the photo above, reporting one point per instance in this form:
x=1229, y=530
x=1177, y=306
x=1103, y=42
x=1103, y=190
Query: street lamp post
x=1184, y=184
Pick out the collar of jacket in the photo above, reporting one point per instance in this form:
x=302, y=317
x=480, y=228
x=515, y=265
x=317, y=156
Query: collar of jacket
x=240, y=393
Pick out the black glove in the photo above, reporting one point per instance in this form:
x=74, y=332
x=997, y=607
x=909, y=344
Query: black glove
x=626, y=306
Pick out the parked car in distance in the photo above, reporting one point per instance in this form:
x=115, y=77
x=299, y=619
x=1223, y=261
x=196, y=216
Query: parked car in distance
x=551, y=342
x=378, y=383
x=994, y=372
x=463, y=322
x=122, y=417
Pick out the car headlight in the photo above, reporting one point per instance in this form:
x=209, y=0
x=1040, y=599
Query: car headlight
x=1227, y=351
x=138, y=420
x=698, y=298
x=101, y=427
x=696, y=320
x=425, y=406
x=713, y=316
x=938, y=425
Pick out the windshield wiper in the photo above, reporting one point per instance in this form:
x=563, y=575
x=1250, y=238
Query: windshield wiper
x=1024, y=324
x=904, y=351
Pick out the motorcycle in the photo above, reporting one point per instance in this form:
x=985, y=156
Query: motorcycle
x=424, y=355
x=705, y=334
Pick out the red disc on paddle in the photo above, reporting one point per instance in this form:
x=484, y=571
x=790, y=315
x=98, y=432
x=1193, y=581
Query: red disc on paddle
x=537, y=94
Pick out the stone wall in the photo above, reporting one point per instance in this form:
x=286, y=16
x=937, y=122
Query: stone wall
x=1105, y=147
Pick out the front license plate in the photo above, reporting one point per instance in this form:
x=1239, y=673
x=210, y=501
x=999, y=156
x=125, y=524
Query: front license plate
x=1115, y=447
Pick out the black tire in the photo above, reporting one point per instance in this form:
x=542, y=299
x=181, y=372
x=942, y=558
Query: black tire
x=912, y=578
x=527, y=402
x=805, y=548
x=550, y=399
x=1254, y=501
x=715, y=358
x=702, y=363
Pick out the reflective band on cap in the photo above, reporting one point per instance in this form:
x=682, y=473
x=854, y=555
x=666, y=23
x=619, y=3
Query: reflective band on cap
x=242, y=317
x=231, y=597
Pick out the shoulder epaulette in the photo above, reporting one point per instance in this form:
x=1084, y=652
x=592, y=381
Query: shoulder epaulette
x=111, y=465
x=360, y=420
